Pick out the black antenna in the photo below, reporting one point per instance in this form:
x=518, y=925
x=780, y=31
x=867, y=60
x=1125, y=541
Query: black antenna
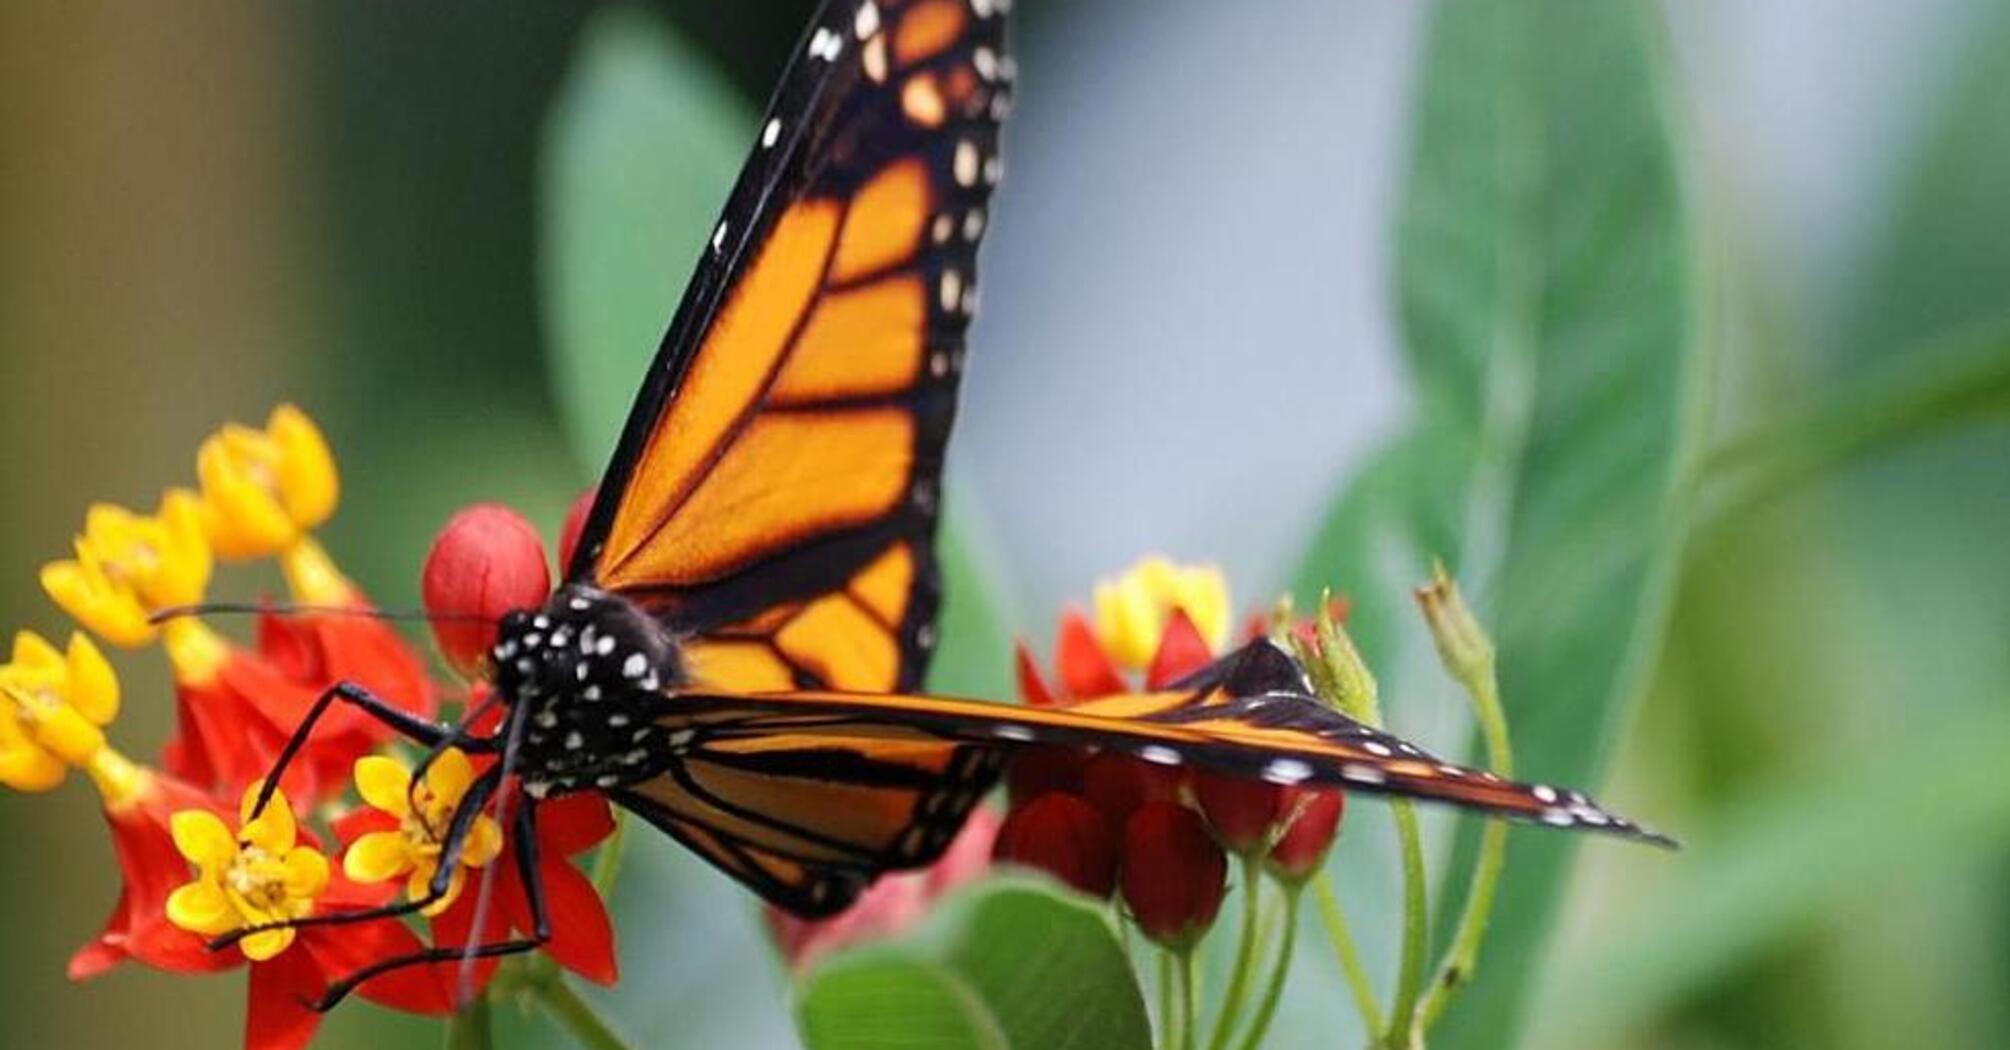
x=177, y=612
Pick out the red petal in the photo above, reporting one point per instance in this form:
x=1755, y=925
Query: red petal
x=1086, y=670
x=339, y=951
x=582, y=938
x=152, y=869
x=361, y=821
x=454, y=927
x=572, y=823
x=1033, y=688
x=276, y=1016
x=1182, y=651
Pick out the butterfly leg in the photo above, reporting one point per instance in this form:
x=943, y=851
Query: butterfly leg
x=525, y=853
x=451, y=849
x=403, y=721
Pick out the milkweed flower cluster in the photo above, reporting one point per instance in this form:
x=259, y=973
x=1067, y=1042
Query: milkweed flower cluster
x=208, y=876
x=1155, y=839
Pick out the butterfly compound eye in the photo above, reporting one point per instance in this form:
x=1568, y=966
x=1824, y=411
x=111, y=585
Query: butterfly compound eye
x=486, y=561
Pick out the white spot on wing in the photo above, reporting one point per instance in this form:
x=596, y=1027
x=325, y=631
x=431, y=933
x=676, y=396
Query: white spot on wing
x=771, y=133
x=1286, y=771
x=1361, y=774
x=1165, y=756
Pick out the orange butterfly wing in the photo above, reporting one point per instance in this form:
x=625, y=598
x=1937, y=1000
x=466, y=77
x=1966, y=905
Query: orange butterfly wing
x=807, y=795
x=775, y=493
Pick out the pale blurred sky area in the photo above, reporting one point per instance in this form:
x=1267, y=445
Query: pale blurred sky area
x=1187, y=289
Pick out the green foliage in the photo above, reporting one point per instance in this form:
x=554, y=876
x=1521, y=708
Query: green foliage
x=1551, y=313
x=642, y=146
x=1012, y=964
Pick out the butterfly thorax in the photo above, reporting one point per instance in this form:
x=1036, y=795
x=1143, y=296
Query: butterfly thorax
x=585, y=676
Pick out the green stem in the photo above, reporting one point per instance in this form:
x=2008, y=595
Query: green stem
x=1189, y=1021
x=1463, y=955
x=578, y=1017
x=1273, y=990
x=1335, y=920
x=472, y=1027
x=607, y=863
x=1416, y=928
x=1168, y=1009
x=1245, y=956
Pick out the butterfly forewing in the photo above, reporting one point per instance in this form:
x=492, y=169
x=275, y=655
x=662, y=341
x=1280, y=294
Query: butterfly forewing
x=775, y=491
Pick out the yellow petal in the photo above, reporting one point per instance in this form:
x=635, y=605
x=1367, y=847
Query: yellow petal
x=376, y=857
x=308, y=484
x=32, y=651
x=449, y=776
x=420, y=881
x=111, y=615
x=182, y=574
x=274, y=831
x=68, y=735
x=202, y=907
x=484, y=842
x=245, y=521
x=456, y=882
x=1202, y=591
x=385, y=784
x=26, y=767
x=265, y=944
x=94, y=688
x=306, y=873
x=201, y=836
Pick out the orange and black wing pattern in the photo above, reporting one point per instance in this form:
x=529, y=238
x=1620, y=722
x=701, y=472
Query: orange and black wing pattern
x=774, y=495
x=805, y=796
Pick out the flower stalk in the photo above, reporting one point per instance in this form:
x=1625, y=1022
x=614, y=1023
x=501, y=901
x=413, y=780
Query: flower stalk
x=1469, y=655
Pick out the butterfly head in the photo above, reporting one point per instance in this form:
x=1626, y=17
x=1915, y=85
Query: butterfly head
x=582, y=647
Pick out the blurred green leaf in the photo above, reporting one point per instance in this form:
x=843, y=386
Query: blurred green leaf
x=1010, y=964
x=1551, y=314
x=1946, y=382
x=1793, y=856
x=975, y=657
x=641, y=149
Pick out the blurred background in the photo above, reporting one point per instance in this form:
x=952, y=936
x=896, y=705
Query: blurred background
x=1191, y=340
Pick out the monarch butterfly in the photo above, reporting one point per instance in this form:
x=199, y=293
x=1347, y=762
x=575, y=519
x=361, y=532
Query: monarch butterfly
x=734, y=650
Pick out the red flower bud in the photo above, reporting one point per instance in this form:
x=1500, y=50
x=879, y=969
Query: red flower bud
x=1242, y=809
x=1174, y=875
x=1064, y=836
x=1118, y=784
x=575, y=523
x=1315, y=823
x=1034, y=771
x=487, y=561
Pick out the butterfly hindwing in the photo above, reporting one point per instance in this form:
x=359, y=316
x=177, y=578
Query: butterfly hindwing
x=786, y=450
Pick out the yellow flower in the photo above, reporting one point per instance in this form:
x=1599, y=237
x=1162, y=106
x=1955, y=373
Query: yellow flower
x=1131, y=610
x=264, y=490
x=259, y=875
x=413, y=850
x=129, y=566
x=53, y=707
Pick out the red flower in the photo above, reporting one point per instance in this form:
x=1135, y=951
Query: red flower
x=281, y=990
x=892, y=904
x=234, y=716
x=582, y=936
x=1242, y=810
x=486, y=561
x=138, y=927
x=1064, y=836
x=1174, y=874
x=1314, y=823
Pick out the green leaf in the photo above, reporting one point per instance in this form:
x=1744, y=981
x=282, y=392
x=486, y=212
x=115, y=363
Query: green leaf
x=642, y=146
x=1796, y=856
x=1011, y=964
x=1551, y=310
